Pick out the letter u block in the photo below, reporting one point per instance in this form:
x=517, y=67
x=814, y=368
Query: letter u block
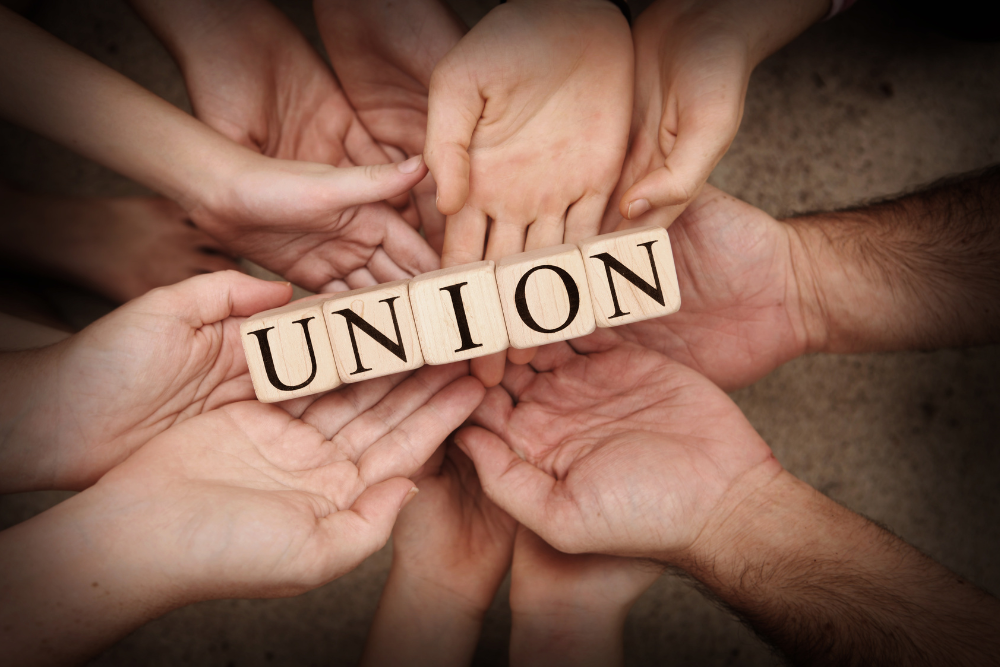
x=373, y=332
x=458, y=313
x=545, y=296
x=632, y=275
x=288, y=351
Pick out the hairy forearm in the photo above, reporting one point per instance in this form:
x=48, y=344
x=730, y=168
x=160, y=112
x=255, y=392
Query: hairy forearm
x=55, y=90
x=827, y=586
x=420, y=624
x=920, y=271
x=67, y=592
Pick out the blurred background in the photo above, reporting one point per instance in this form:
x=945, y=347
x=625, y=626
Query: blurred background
x=865, y=105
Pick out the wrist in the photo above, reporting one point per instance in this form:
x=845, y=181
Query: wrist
x=452, y=596
x=561, y=639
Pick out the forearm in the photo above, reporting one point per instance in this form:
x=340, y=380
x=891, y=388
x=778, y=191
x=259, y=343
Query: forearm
x=827, y=586
x=561, y=637
x=67, y=592
x=418, y=623
x=54, y=90
x=916, y=272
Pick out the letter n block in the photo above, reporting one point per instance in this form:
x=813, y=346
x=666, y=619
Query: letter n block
x=545, y=296
x=458, y=313
x=372, y=331
x=632, y=275
x=288, y=351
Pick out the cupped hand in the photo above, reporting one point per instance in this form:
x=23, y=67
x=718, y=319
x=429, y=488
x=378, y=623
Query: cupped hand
x=316, y=225
x=256, y=500
x=527, y=126
x=152, y=363
x=604, y=446
x=384, y=55
x=744, y=294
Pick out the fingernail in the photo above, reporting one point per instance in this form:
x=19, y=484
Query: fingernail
x=409, y=496
x=411, y=165
x=637, y=208
x=283, y=282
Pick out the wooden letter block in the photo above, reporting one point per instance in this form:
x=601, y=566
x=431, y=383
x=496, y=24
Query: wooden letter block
x=545, y=296
x=288, y=351
x=632, y=275
x=372, y=331
x=458, y=314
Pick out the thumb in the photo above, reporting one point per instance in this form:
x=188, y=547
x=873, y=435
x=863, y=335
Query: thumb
x=703, y=137
x=377, y=182
x=350, y=536
x=215, y=296
x=454, y=107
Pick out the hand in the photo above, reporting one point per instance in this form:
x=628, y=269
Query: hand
x=692, y=68
x=451, y=550
x=93, y=399
x=625, y=452
x=743, y=309
x=571, y=609
x=384, y=55
x=528, y=124
x=309, y=222
x=248, y=500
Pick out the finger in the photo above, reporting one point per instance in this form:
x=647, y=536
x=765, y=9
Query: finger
x=521, y=357
x=494, y=412
x=489, y=369
x=464, y=237
x=334, y=286
x=343, y=540
x=215, y=296
x=517, y=378
x=702, y=139
x=506, y=238
x=383, y=269
x=516, y=486
x=354, y=186
x=601, y=340
x=454, y=106
x=431, y=219
x=362, y=149
x=359, y=278
x=583, y=219
x=545, y=231
x=332, y=412
x=215, y=263
x=553, y=356
x=406, y=447
x=407, y=249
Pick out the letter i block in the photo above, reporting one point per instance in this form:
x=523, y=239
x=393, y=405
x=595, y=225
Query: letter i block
x=372, y=331
x=288, y=351
x=458, y=313
x=545, y=296
x=632, y=275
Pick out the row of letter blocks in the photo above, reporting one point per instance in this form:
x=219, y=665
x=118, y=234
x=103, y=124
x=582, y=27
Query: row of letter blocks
x=526, y=300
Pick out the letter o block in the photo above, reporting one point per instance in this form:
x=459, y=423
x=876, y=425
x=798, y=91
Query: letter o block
x=632, y=275
x=372, y=331
x=458, y=313
x=288, y=351
x=545, y=296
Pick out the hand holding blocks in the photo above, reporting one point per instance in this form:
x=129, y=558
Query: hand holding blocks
x=526, y=300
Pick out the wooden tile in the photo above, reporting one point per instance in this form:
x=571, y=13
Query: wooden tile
x=372, y=331
x=289, y=352
x=458, y=313
x=545, y=296
x=632, y=275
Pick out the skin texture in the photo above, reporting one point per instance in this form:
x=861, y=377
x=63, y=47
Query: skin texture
x=249, y=500
x=693, y=62
x=384, y=54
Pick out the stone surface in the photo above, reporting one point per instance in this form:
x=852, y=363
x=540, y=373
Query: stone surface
x=857, y=107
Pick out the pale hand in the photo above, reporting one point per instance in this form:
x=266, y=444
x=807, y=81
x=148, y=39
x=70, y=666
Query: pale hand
x=625, y=452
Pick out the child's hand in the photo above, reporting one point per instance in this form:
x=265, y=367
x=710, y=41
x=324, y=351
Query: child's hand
x=244, y=501
x=451, y=550
x=693, y=64
x=571, y=609
x=88, y=402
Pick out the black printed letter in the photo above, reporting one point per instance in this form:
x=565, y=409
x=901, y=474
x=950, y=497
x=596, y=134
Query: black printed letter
x=265, y=352
x=611, y=263
x=354, y=321
x=572, y=291
x=463, y=322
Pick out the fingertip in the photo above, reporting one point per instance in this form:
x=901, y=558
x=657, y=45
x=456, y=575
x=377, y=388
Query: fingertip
x=489, y=369
x=521, y=357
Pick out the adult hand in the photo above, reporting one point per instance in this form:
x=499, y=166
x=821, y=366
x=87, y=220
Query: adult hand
x=384, y=55
x=693, y=64
x=745, y=293
x=570, y=609
x=244, y=501
x=451, y=550
x=604, y=446
x=528, y=125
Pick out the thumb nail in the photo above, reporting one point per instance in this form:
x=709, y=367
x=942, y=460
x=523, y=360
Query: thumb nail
x=637, y=208
x=409, y=496
x=411, y=165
